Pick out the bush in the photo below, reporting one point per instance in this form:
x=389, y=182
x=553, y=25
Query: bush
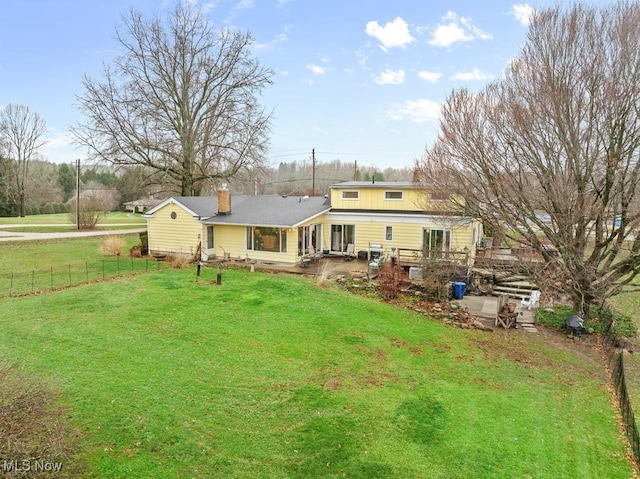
x=91, y=210
x=135, y=251
x=48, y=209
x=599, y=319
x=180, y=261
x=32, y=426
x=59, y=208
x=389, y=278
x=32, y=209
x=112, y=246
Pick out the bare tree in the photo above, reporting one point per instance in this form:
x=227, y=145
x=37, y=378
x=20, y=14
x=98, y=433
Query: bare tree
x=182, y=99
x=21, y=134
x=551, y=151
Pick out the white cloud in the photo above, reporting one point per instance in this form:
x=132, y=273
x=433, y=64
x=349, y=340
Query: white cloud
x=389, y=77
x=474, y=74
x=429, y=77
x=279, y=38
x=418, y=111
x=244, y=5
x=206, y=6
x=455, y=29
x=523, y=13
x=393, y=34
x=316, y=69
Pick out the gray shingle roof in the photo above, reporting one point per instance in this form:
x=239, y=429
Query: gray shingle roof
x=267, y=210
x=398, y=185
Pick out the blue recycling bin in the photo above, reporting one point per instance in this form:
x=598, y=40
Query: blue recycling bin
x=458, y=289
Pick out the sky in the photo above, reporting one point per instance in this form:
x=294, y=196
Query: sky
x=356, y=81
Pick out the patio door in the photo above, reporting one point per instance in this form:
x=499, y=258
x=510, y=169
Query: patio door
x=309, y=236
x=341, y=236
x=436, y=243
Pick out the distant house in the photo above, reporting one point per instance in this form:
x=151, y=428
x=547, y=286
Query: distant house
x=141, y=205
x=283, y=229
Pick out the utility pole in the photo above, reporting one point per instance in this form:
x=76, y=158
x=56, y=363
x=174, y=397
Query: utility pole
x=355, y=170
x=313, y=173
x=78, y=194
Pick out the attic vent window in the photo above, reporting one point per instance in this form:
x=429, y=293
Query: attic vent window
x=174, y=215
x=350, y=195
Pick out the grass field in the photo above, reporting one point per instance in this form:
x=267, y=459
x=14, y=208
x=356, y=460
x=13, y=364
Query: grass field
x=272, y=376
x=32, y=266
x=57, y=220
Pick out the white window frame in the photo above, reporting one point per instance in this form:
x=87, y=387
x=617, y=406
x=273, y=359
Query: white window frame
x=387, y=198
x=388, y=233
x=357, y=193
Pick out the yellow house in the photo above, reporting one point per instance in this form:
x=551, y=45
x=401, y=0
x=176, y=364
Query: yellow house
x=387, y=217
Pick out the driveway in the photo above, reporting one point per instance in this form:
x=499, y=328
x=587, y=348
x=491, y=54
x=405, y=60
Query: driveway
x=22, y=236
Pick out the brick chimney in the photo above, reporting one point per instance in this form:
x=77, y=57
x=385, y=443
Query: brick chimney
x=417, y=175
x=224, y=200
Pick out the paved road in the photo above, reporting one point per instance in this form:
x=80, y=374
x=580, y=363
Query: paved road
x=22, y=236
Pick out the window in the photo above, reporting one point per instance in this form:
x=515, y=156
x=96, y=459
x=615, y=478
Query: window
x=350, y=195
x=209, y=237
x=436, y=243
x=174, y=215
x=393, y=195
x=388, y=233
x=263, y=238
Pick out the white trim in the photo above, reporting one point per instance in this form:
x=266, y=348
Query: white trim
x=342, y=192
x=394, y=199
x=397, y=217
x=169, y=201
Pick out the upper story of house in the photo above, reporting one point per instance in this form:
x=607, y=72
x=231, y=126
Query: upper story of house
x=388, y=196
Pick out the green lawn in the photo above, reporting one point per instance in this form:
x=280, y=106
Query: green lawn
x=27, y=267
x=25, y=256
x=63, y=218
x=68, y=228
x=272, y=376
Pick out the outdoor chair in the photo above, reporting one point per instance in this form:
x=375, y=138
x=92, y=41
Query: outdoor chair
x=533, y=301
x=314, y=256
x=350, y=253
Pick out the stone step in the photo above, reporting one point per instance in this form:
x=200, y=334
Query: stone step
x=518, y=293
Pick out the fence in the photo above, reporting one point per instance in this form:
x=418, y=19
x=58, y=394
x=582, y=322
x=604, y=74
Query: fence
x=24, y=282
x=615, y=358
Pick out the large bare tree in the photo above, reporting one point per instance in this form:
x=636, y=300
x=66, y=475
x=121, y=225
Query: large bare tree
x=21, y=136
x=182, y=99
x=551, y=150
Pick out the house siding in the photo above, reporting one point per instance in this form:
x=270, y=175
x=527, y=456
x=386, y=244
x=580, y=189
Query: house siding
x=174, y=236
x=407, y=229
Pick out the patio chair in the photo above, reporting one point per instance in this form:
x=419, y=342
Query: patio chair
x=314, y=256
x=350, y=253
x=533, y=301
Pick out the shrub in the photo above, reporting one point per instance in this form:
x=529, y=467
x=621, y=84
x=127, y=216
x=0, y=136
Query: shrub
x=599, y=318
x=390, y=278
x=112, y=246
x=32, y=209
x=31, y=425
x=180, y=261
x=135, y=251
x=90, y=212
x=48, y=209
